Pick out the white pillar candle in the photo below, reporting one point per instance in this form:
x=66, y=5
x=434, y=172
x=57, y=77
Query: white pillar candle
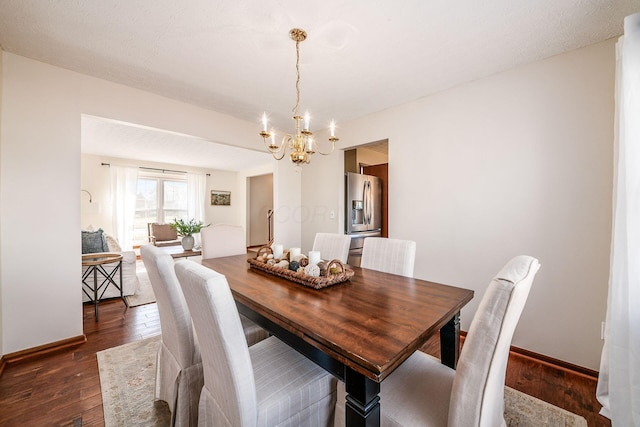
x=277, y=251
x=294, y=252
x=314, y=257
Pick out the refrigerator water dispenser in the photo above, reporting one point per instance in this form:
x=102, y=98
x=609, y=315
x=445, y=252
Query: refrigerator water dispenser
x=357, y=212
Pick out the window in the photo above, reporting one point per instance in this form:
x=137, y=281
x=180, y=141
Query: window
x=159, y=198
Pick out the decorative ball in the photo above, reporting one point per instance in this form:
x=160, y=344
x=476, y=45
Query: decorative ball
x=270, y=256
x=301, y=270
x=271, y=261
x=334, y=270
x=294, y=265
x=312, y=270
x=283, y=264
x=260, y=258
x=304, y=262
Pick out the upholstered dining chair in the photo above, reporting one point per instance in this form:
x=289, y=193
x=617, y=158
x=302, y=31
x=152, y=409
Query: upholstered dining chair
x=179, y=376
x=220, y=240
x=332, y=246
x=267, y=384
x=424, y=392
x=393, y=256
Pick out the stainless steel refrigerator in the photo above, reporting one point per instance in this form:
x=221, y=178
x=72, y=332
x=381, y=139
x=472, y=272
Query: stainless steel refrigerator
x=364, y=211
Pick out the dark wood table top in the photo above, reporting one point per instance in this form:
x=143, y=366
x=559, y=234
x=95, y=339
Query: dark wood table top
x=371, y=323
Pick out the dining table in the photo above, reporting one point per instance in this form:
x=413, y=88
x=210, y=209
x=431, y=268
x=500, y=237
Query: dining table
x=359, y=330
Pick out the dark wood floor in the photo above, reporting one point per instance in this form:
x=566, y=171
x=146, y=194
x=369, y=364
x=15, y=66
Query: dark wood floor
x=63, y=389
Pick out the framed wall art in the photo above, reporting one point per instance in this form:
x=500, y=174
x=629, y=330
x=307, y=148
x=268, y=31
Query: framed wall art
x=220, y=198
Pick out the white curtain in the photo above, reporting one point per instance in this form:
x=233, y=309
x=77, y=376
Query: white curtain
x=124, y=182
x=619, y=382
x=196, y=196
x=196, y=193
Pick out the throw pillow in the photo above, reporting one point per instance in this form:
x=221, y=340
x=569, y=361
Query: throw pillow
x=112, y=244
x=93, y=241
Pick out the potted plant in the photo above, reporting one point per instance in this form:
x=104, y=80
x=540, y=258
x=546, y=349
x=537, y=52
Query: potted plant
x=187, y=229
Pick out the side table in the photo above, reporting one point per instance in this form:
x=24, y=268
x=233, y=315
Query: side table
x=95, y=289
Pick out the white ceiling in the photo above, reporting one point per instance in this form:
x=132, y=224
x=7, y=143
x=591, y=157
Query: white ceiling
x=361, y=56
x=124, y=140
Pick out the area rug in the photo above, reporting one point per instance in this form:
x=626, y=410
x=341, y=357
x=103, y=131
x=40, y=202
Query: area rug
x=144, y=293
x=127, y=378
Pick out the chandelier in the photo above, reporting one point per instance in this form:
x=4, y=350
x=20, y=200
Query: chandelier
x=301, y=144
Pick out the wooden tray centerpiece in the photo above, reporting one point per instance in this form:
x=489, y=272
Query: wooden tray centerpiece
x=298, y=270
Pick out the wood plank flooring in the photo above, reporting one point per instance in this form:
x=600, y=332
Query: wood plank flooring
x=63, y=388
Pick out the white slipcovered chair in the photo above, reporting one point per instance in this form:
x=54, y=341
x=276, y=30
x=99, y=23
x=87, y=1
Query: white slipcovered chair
x=424, y=392
x=267, y=384
x=332, y=246
x=393, y=256
x=222, y=240
x=179, y=376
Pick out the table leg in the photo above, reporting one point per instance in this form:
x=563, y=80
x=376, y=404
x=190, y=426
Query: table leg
x=450, y=342
x=126, y=305
x=363, y=403
x=95, y=292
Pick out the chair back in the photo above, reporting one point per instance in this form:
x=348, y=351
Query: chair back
x=228, y=372
x=332, y=246
x=393, y=256
x=161, y=233
x=175, y=320
x=222, y=240
x=477, y=395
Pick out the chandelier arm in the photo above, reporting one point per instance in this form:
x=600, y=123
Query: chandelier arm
x=333, y=147
x=281, y=157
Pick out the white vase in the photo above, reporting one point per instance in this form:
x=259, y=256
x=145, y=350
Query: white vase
x=187, y=243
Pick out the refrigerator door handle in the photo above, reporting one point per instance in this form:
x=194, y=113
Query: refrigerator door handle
x=369, y=202
x=365, y=202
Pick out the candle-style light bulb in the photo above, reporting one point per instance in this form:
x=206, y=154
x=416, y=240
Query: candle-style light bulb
x=264, y=121
x=333, y=128
x=306, y=121
x=273, y=137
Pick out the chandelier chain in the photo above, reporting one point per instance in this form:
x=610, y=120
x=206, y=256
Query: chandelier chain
x=295, y=109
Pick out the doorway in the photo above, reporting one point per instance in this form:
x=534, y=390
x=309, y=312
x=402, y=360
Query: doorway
x=372, y=159
x=260, y=205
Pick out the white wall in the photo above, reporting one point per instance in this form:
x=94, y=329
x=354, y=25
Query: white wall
x=40, y=195
x=225, y=181
x=1, y=311
x=517, y=163
x=287, y=202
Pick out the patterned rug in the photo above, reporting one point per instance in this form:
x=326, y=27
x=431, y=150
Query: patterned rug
x=127, y=377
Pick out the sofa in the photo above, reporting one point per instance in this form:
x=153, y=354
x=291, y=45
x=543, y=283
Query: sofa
x=94, y=241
